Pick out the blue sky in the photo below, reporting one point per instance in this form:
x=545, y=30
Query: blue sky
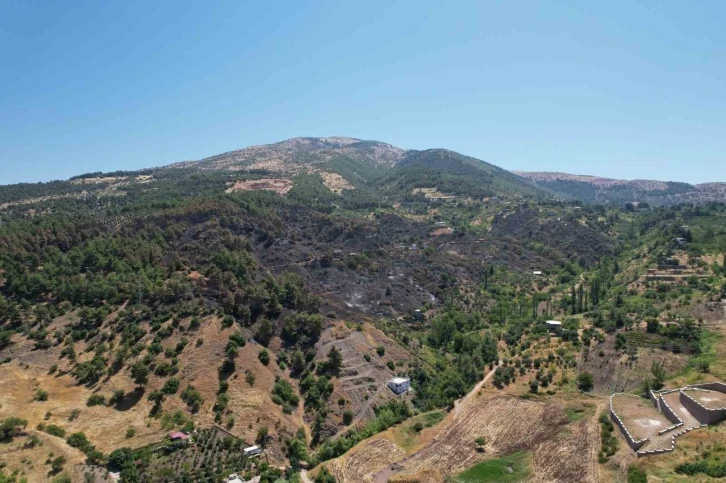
x=620, y=89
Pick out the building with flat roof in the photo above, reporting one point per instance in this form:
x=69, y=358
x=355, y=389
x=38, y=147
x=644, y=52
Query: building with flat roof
x=554, y=326
x=399, y=385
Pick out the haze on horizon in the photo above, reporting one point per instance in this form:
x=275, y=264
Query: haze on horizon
x=614, y=90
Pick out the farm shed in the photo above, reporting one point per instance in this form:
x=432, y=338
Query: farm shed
x=178, y=436
x=399, y=385
x=252, y=451
x=554, y=326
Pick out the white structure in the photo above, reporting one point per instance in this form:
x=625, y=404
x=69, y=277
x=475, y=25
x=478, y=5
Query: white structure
x=399, y=385
x=554, y=325
x=537, y=272
x=235, y=478
x=253, y=451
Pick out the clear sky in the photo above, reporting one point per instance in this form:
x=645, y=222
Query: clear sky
x=616, y=88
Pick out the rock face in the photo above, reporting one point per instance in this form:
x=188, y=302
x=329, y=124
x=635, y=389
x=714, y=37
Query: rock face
x=293, y=154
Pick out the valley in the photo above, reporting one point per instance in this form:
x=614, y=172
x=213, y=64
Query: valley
x=267, y=296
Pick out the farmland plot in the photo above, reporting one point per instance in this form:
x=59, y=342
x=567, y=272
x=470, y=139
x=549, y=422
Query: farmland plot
x=364, y=461
x=508, y=425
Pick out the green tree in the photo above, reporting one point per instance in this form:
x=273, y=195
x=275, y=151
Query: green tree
x=140, y=373
x=585, y=381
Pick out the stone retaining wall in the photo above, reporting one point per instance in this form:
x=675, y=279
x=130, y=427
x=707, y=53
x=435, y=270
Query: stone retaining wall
x=654, y=398
x=632, y=442
x=711, y=386
x=701, y=412
x=669, y=413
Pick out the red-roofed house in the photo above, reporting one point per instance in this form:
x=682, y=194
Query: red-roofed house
x=178, y=436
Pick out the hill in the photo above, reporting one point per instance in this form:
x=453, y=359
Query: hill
x=293, y=154
x=270, y=305
x=593, y=189
x=455, y=174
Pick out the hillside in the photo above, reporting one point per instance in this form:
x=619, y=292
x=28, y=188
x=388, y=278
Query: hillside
x=593, y=189
x=293, y=154
x=248, y=304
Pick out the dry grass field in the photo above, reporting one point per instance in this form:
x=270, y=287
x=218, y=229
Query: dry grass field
x=335, y=182
x=280, y=186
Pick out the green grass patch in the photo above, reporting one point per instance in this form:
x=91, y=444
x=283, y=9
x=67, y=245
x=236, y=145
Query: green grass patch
x=576, y=413
x=514, y=467
x=709, y=342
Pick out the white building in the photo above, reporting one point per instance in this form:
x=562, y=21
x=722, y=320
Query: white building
x=235, y=478
x=399, y=385
x=537, y=272
x=252, y=451
x=554, y=326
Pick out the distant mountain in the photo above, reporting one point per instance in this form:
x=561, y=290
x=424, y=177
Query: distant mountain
x=294, y=153
x=594, y=189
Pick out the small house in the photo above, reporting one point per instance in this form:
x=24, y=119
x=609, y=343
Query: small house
x=554, y=326
x=178, y=436
x=252, y=451
x=235, y=478
x=399, y=385
x=537, y=273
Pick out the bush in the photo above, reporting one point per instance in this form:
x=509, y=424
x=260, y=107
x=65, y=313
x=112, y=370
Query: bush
x=11, y=427
x=171, y=386
x=347, y=417
x=80, y=441
x=264, y=357
x=54, y=430
x=636, y=475
x=96, y=400
x=40, y=395
x=585, y=381
x=192, y=398
x=380, y=350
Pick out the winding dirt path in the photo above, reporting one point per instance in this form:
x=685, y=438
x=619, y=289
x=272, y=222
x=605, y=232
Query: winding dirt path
x=458, y=404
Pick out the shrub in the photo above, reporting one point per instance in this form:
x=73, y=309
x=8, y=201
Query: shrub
x=171, y=386
x=347, y=417
x=264, y=357
x=11, y=427
x=585, y=381
x=192, y=398
x=54, y=430
x=40, y=395
x=636, y=475
x=96, y=400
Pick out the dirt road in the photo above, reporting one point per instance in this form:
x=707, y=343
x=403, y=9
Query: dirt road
x=304, y=477
x=459, y=403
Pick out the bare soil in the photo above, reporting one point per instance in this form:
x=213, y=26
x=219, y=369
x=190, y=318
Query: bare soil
x=711, y=399
x=335, y=182
x=508, y=424
x=360, y=464
x=642, y=419
x=280, y=186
